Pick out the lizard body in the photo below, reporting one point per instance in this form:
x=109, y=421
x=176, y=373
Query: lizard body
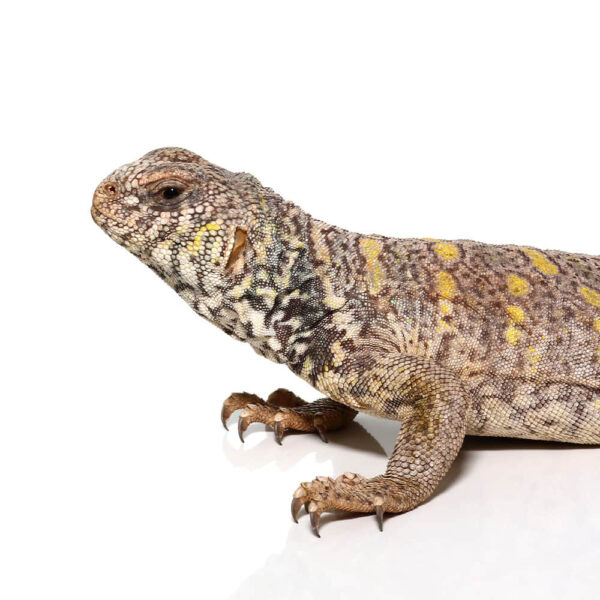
x=449, y=337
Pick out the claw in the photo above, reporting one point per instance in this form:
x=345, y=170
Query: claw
x=318, y=425
x=315, y=517
x=379, y=512
x=224, y=417
x=296, y=506
x=242, y=426
x=321, y=433
x=279, y=431
x=298, y=500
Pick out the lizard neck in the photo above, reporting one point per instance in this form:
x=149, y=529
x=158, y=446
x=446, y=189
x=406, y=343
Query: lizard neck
x=293, y=275
x=277, y=299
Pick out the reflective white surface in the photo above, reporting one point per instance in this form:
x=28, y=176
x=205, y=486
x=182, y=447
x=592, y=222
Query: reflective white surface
x=512, y=515
x=137, y=492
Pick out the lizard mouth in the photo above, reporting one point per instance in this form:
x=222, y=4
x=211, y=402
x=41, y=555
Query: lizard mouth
x=107, y=223
x=100, y=217
x=106, y=220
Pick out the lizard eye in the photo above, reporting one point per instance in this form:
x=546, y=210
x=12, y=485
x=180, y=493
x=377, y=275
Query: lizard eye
x=167, y=195
x=170, y=192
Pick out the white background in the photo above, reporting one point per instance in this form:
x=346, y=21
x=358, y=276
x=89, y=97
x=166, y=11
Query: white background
x=428, y=119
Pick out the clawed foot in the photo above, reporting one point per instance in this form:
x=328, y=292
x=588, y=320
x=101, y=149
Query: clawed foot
x=283, y=411
x=349, y=492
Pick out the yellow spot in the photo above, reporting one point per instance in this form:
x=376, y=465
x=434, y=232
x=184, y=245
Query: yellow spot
x=597, y=324
x=513, y=335
x=338, y=354
x=371, y=249
x=515, y=314
x=534, y=358
x=517, y=286
x=445, y=307
x=444, y=326
x=541, y=262
x=592, y=296
x=446, y=251
x=375, y=385
x=195, y=245
x=446, y=285
x=597, y=403
x=306, y=368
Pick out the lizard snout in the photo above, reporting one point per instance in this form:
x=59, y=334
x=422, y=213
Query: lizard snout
x=107, y=190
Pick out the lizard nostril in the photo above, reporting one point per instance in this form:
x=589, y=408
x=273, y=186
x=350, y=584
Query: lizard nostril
x=109, y=189
x=106, y=191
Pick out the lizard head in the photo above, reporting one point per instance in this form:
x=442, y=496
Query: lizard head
x=231, y=248
x=183, y=216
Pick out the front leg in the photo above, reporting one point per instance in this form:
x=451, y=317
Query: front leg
x=283, y=411
x=432, y=405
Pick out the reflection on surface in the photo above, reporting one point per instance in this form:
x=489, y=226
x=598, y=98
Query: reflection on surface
x=487, y=524
x=353, y=437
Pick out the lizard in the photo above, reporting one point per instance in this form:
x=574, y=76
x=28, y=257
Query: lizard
x=449, y=338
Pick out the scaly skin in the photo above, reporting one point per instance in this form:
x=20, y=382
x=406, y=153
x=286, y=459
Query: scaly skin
x=451, y=338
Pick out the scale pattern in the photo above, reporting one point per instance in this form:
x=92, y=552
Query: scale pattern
x=448, y=337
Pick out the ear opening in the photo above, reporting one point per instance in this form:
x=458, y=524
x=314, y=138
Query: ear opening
x=239, y=244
